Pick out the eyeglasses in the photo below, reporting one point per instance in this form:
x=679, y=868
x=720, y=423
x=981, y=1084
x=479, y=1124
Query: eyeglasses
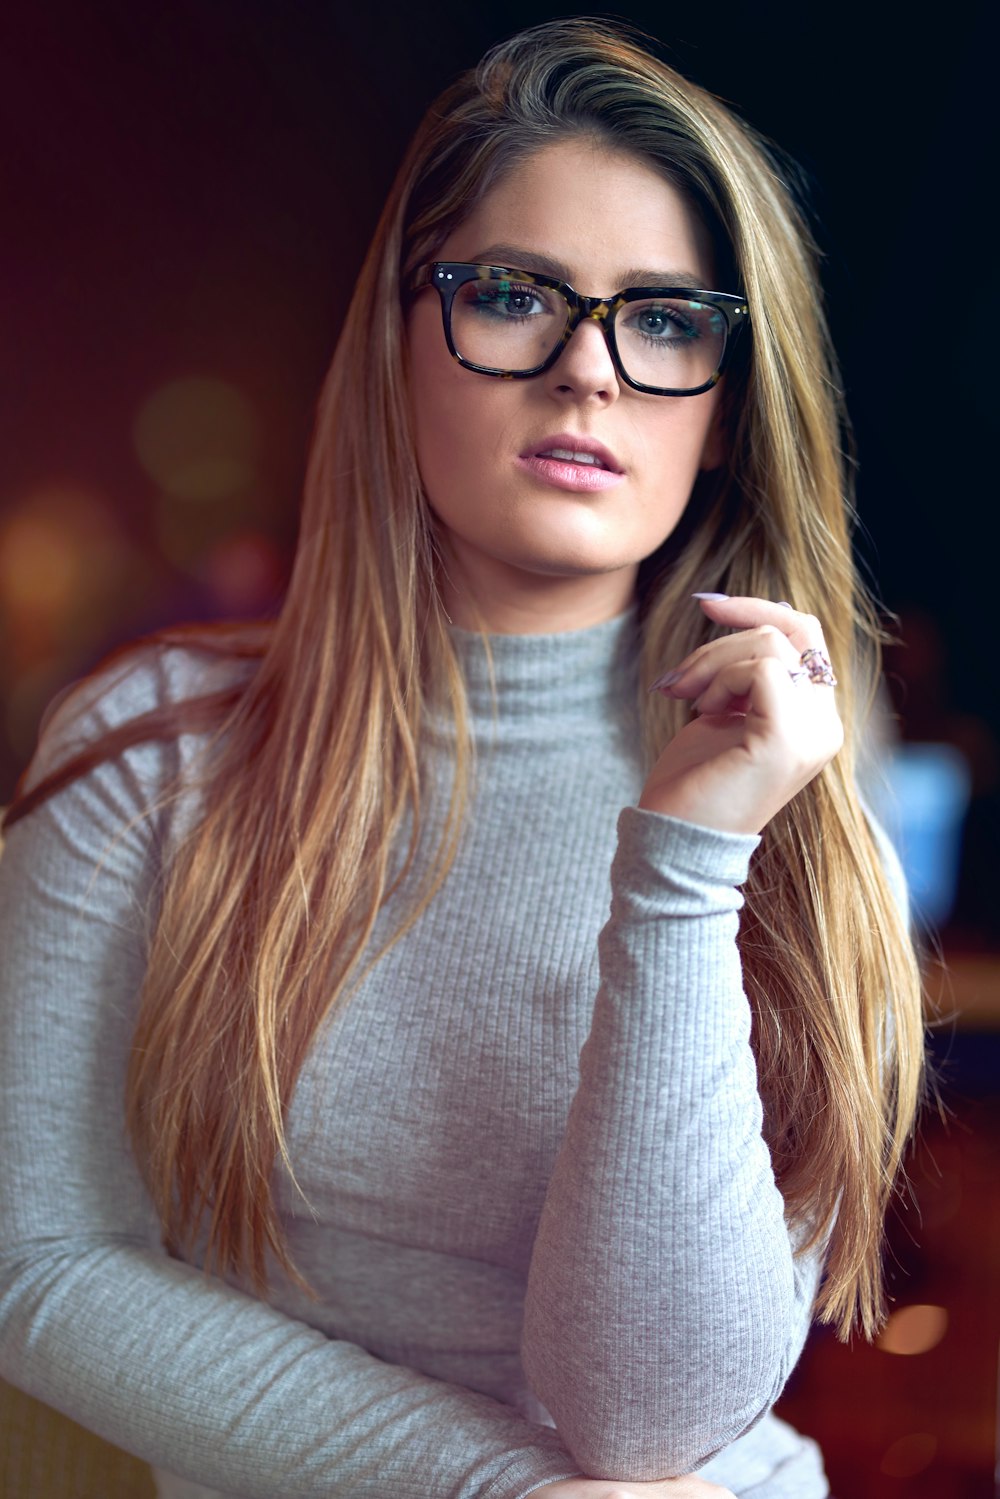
x=664, y=340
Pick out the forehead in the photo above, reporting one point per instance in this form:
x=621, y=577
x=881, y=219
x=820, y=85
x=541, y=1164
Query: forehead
x=599, y=217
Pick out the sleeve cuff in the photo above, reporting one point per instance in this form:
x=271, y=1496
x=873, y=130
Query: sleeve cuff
x=674, y=867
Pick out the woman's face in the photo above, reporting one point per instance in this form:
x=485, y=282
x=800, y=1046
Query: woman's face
x=530, y=544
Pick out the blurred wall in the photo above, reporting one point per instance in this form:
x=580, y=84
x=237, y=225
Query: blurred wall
x=188, y=191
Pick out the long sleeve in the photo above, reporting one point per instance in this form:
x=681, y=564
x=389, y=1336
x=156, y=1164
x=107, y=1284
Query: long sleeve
x=180, y=1369
x=529, y=1142
x=665, y=1308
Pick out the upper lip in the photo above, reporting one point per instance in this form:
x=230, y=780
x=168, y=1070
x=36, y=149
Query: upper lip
x=577, y=444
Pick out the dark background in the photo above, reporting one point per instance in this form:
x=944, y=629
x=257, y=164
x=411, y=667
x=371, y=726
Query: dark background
x=187, y=191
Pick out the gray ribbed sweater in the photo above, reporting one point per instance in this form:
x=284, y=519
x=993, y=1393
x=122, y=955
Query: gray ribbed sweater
x=530, y=1141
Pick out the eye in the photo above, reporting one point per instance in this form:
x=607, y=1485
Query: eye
x=510, y=301
x=507, y=301
x=666, y=321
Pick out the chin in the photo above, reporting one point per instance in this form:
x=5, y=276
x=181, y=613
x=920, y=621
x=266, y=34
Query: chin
x=571, y=562
x=577, y=549
x=586, y=567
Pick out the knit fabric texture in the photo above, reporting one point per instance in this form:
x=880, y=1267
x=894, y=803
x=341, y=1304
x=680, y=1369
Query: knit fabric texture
x=539, y=1213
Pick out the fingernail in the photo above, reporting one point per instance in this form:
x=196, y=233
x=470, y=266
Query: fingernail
x=784, y=604
x=714, y=597
x=667, y=680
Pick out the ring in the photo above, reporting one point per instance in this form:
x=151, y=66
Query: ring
x=814, y=666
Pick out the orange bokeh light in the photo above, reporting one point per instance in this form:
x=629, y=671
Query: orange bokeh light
x=913, y=1329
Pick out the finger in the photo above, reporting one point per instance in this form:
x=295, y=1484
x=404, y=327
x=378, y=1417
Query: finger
x=741, y=613
x=759, y=686
x=695, y=672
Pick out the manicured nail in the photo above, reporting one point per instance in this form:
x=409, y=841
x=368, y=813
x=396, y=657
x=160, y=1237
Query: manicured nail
x=667, y=680
x=784, y=604
x=714, y=597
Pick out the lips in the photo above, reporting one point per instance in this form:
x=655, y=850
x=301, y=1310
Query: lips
x=571, y=462
x=567, y=447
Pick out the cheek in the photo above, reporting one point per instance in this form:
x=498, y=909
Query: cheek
x=444, y=427
x=455, y=415
x=681, y=441
x=427, y=359
x=428, y=374
x=713, y=445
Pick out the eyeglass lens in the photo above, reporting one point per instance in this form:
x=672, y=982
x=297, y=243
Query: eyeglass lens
x=667, y=342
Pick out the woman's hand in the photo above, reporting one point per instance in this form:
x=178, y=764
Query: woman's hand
x=609, y=1488
x=761, y=733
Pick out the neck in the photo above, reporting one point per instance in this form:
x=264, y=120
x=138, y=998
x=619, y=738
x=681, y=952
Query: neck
x=501, y=599
x=518, y=684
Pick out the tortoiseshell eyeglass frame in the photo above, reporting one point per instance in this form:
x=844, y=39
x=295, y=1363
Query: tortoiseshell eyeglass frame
x=448, y=275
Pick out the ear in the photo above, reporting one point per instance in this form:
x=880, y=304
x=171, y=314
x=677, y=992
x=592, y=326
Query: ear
x=713, y=453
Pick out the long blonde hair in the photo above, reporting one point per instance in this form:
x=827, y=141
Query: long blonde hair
x=313, y=766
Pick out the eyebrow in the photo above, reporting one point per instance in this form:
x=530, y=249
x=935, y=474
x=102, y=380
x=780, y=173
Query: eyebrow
x=517, y=258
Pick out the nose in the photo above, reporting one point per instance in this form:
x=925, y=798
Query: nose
x=585, y=370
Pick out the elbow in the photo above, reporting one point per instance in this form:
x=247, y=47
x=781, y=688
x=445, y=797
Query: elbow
x=626, y=1451
x=633, y=1451
x=658, y=1392
x=648, y=1421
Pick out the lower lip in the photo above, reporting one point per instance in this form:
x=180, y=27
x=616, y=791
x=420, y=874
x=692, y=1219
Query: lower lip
x=583, y=478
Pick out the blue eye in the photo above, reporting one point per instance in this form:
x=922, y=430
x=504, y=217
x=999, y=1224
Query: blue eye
x=672, y=327
x=659, y=323
x=504, y=299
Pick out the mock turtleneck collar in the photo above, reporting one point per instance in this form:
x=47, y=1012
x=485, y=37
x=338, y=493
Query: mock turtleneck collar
x=572, y=675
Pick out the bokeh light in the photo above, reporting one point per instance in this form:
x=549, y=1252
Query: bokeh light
x=197, y=438
x=913, y=1329
x=62, y=556
x=39, y=564
x=909, y=1455
x=67, y=571
x=244, y=573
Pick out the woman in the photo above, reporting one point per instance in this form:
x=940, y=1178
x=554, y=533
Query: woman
x=311, y=913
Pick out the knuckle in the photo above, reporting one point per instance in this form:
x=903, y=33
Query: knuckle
x=770, y=666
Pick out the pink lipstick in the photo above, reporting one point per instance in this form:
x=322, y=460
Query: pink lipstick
x=571, y=461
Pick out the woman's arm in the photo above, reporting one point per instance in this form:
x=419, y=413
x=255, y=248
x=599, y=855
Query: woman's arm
x=185, y=1371
x=665, y=1307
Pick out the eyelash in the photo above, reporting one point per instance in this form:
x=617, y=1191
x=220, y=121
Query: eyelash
x=686, y=328
x=490, y=298
x=497, y=294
